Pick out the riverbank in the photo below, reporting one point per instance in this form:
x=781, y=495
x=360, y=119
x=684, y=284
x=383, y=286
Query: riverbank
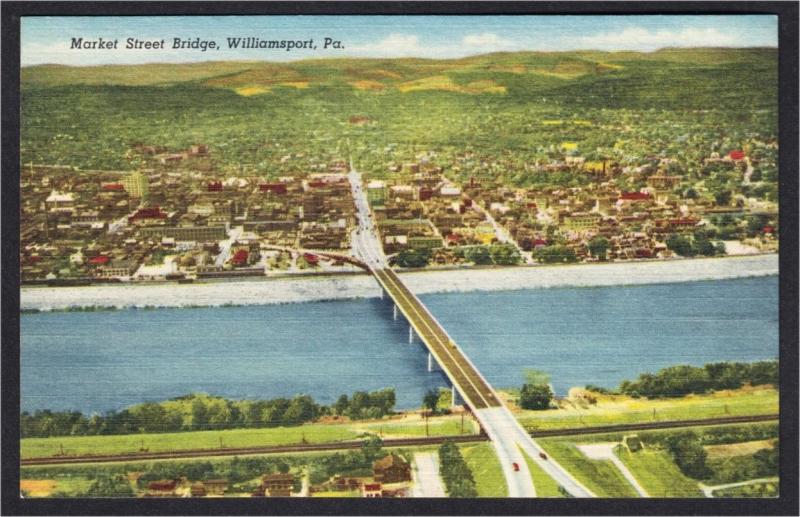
x=329, y=287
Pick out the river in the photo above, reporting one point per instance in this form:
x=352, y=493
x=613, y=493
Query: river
x=97, y=361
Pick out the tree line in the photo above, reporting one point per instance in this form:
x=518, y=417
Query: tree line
x=197, y=412
x=677, y=381
x=686, y=449
x=455, y=472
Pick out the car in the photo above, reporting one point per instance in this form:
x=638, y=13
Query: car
x=516, y=467
x=543, y=455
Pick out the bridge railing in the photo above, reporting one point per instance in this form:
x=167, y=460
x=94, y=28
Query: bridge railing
x=450, y=339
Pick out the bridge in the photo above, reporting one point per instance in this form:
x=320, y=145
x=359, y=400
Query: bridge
x=507, y=435
x=510, y=441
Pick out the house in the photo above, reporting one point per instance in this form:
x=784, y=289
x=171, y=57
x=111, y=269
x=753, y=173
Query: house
x=371, y=490
x=277, y=485
x=117, y=269
x=60, y=202
x=198, y=490
x=215, y=486
x=736, y=155
x=163, y=486
x=391, y=469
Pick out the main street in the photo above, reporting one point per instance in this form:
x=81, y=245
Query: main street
x=507, y=436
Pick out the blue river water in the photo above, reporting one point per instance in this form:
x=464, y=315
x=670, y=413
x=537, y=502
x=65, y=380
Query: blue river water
x=98, y=361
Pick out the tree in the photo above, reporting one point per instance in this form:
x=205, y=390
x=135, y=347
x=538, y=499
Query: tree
x=598, y=246
x=505, y=254
x=535, y=396
x=688, y=453
x=431, y=400
x=478, y=255
x=413, y=258
x=199, y=415
x=341, y=405
x=371, y=448
x=722, y=197
x=681, y=245
x=702, y=245
x=554, y=254
x=301, y=409
x=455, y=472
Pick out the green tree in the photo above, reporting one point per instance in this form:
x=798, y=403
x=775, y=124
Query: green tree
x=535, y=396
x=413, y=258
x=431, y=400
x=341, y=405
x=681, y=245
x=702, y=245
x=722, y=197
x=689, y=454
x=505, y=255
x=478, y=255
x=371, y=448
x=199, y=415
x=555, y=254
x=301, y=409
x=598, y=246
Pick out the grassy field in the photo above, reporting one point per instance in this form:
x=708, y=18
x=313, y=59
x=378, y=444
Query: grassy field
x=545, y=485
x=601, y=477
x=620, y=409
x=439, y=426
x=658, y=474
x=486, y=470
x=312, y=433
x=66, y=485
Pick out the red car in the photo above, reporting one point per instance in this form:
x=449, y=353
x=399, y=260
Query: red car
x=516, y=467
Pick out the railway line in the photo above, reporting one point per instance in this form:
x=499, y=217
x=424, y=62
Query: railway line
x=241, y=451
x=397, y=442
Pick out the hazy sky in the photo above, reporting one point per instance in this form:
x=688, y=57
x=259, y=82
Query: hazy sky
x=47, y=39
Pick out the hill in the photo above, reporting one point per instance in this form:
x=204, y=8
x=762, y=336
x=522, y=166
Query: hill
x=493, y=73
x=255, y=112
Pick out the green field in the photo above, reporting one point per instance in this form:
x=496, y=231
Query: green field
x=545, y=485
x=436, y=427
x=601, y=477
x=624, y=410
x=486, y=469
x=658, y=474
x=234, y=438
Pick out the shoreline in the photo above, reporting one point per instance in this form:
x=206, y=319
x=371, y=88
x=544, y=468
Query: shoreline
x=328, y=287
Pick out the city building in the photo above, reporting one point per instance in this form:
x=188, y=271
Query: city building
x=136, y=185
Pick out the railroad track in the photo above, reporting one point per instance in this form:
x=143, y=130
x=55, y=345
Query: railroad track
x=230, y=451
x=654, y=425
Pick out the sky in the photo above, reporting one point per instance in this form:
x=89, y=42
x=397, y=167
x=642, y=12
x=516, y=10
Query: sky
x=48, y=39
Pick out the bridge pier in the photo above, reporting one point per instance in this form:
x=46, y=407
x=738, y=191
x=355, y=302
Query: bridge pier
x=410, y=334
x=430, y=362
x=394, y=312
x=381, y=293
x=453, y=396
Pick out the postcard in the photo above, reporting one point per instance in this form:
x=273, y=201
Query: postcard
x=421, y=256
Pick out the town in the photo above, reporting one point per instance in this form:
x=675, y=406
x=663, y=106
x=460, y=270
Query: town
x=180, y=220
